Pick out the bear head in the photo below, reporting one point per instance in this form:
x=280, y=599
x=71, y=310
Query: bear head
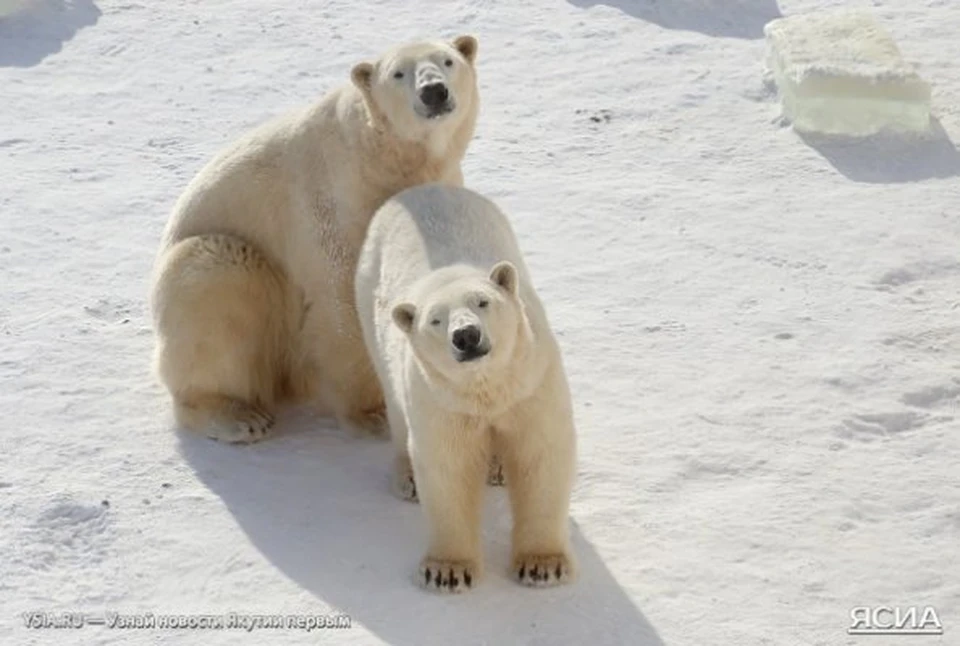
x=422, y=87
x=466, y=325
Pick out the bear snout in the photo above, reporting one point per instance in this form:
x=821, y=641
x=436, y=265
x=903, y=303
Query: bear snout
x=468, y=343
x=466, y=338
x=434, y=95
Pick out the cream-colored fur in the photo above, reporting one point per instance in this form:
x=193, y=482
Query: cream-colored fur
x=438, y=260
x=253, y=288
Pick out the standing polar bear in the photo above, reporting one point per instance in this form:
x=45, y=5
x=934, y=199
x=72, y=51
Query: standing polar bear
x=469, y=367
x=253, y=289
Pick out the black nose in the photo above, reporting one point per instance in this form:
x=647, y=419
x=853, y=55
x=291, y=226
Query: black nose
x=434, y=95
x=466, y=338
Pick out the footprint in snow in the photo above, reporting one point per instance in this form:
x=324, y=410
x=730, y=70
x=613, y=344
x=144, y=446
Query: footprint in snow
x=67, y=532
x=931, y=396
x=111, y=311
x=915, y=272
x=868, y=426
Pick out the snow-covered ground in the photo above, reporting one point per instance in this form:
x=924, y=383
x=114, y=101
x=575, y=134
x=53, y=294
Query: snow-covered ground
x=762, y=331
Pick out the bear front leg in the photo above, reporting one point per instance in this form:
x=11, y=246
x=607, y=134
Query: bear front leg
x=450, y=462
x=358, y=399
x=404, y=483
x=539, y=458
x=360, y=410
x=335, y=370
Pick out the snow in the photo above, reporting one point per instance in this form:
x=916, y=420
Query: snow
x=761, y=331
x=841, y=72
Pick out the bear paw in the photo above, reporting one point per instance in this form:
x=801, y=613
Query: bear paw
x=445, y=576
x=542, y=570
x=495, y=476
x=246, y=425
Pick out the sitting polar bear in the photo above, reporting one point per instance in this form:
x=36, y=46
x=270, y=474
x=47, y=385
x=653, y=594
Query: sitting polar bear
x=470, y=368
x=253, y=290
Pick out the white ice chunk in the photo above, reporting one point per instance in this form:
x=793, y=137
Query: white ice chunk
x=840, y=72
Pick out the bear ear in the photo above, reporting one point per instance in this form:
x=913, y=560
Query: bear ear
x=362, y=75
x=504, y=275
x=466, y=45
x=403, y=315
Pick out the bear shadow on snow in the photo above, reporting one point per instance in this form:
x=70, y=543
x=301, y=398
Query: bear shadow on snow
x=318, y=505
x=38, y=28
x=726, y=18
x=890, y=158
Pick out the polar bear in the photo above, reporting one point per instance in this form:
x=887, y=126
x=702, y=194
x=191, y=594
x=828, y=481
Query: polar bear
x=470, y=368
x=252, y=295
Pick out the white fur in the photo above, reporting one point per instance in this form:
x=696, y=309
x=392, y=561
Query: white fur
x=253, y=288
x=432, y=254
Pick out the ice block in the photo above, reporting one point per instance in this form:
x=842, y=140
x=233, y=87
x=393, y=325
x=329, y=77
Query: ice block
x=841, y=72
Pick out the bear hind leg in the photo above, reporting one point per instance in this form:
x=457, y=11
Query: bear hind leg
x=223, y=316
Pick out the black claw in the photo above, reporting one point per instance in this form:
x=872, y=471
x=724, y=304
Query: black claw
x=467, y=579
x=535, y=573
x=559, y=571
x=439, y=579
x=453, y=581
x=426, y=576
x=522, y=572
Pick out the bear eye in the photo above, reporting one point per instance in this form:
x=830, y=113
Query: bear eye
x=435, y=322
x=448, y=62
x=483, y=303
x=398, y=75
